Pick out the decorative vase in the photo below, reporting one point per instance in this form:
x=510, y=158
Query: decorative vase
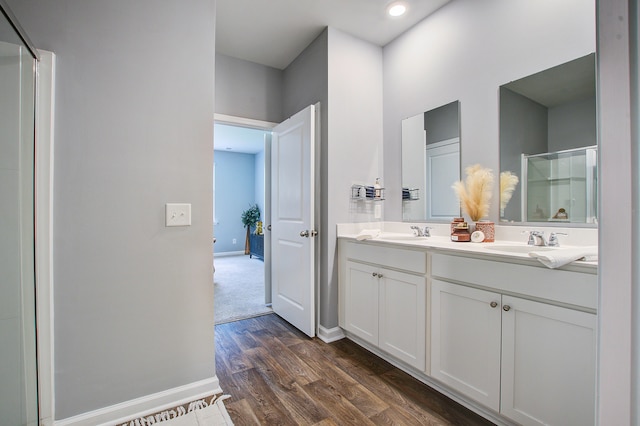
x=488, y=229
x=247, y=244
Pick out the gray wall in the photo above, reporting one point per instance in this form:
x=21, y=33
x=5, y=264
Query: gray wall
x=572, y=125
x=246, y=89
x=523, y=129
x=442, y=123
x=134, y=106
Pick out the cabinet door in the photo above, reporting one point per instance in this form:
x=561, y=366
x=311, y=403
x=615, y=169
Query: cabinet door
x=361, y=301
x=465, y=340
x=402, y=316
x=549, y=364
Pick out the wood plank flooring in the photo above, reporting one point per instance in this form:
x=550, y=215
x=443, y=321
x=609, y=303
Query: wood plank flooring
x=278, y=376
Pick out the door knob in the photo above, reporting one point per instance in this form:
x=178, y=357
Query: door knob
x=506, y=308
x=304, y=233
x=493, y=304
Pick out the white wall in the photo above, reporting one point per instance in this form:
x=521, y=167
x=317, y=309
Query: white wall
x=465, y=51
x=355, y=143
x=618, y=193
x=134, y=112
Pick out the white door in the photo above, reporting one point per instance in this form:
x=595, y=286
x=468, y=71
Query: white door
x=442, y=170
x=402, y=316
x=361, y=295
x=292, y=220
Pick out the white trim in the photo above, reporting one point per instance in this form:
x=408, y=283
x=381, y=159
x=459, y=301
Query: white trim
x=445, y=142
x=243, y=122
x=329, y=335
x=227, y=253
x=45, y=95
x=124, y=411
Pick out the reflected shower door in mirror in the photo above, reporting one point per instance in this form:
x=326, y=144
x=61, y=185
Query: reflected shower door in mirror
x=548, y=140
x=431, y=164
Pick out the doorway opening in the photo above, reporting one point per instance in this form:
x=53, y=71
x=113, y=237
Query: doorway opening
x=241, y=180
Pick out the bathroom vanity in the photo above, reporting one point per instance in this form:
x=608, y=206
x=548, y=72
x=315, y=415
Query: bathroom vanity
x=495, y=330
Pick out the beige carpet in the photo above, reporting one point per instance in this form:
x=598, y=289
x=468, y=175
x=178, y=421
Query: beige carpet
x=238, y=288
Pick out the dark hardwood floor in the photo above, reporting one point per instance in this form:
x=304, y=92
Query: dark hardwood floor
x=278, y=376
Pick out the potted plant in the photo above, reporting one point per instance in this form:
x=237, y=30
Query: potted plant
x=250, y=217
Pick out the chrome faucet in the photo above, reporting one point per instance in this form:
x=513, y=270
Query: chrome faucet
x=536, y=238
x=553, y=239
x=421, y=232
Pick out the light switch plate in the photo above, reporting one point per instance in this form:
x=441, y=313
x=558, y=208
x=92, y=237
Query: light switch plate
x=178, y=214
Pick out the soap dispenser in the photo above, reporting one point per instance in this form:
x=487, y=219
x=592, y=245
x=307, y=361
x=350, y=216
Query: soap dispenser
x=377, y=188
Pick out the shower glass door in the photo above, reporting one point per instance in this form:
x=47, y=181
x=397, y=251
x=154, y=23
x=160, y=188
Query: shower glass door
x=18, y=374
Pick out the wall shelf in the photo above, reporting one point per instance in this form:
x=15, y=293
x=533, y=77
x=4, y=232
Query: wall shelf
x=410, y=194
x=366, y=193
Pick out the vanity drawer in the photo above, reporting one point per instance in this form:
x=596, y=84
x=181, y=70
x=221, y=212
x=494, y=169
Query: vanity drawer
x=566, y=287
x=391, y=257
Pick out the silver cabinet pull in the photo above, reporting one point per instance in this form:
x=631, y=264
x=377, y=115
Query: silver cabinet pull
x=493, y=304
x=380, y=275
x=304, y=233
x=506, y=308
x=314, y=233
x=375, y=274
x=269, y=228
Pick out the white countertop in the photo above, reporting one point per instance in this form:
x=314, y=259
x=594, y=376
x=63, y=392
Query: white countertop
x=501, y=250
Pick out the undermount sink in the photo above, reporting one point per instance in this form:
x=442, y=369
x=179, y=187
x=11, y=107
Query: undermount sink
x=400, y=237
x=519, y=249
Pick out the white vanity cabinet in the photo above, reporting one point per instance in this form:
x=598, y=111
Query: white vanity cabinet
x=519, y=339
x=383, y=299
x=465, y=340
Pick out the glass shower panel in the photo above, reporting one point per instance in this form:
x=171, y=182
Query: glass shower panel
x=560, y=186
x=18, y=374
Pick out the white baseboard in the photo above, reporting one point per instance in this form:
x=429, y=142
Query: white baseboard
x=329, y=335
x=227, y=253
x=124, y=411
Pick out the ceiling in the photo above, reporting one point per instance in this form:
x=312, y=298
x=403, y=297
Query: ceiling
x=568, y=82
x=275, y=32
x=238, y=139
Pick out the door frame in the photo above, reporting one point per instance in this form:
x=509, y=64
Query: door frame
x=266, y=126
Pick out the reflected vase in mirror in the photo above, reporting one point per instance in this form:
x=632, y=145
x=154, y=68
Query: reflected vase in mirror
x=431, y=164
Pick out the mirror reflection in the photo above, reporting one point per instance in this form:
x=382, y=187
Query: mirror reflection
x=431, y=164
x=548, y=140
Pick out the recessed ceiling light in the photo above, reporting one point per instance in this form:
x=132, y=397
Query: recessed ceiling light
x=397, y=9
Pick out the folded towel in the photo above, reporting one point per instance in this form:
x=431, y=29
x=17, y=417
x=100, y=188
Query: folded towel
x=367, y=234
x=557, y=258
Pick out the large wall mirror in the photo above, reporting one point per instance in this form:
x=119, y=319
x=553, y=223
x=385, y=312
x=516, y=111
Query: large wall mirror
x=431, y=164
x=548, y=140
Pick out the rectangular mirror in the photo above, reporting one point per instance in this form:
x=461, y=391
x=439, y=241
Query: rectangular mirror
x=431, y=164
x=548, y=140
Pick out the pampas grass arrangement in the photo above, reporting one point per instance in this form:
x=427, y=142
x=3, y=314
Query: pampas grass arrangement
x=475, y=192
x=508, y=182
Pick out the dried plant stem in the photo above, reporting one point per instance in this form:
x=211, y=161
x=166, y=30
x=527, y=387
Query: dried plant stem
x=475, y=193
x=508, y=182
